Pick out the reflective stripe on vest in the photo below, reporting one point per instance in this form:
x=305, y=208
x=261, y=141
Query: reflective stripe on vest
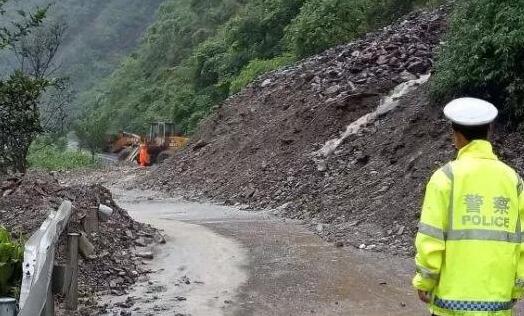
x=478, y=306
x=469, y=234
x=520, y=185
x=427, y=274
x=448, y=171
x=431, y=231
x=483, y=234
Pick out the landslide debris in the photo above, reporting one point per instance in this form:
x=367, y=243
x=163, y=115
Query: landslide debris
x=115, y=264
x=259, y=146
x=264, y=146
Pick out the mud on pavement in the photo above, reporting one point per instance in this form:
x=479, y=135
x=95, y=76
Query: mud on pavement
x=220, y=260
x=223, y=260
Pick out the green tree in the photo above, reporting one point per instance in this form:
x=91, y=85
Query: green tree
x=15, y=29
x=483, y=55
x=20, y=122
x=35, y=48
x=92, y=133
x=19, y=95
x=322, y=24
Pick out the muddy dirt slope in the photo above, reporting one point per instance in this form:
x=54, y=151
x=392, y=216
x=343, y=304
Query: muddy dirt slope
x=344, y=140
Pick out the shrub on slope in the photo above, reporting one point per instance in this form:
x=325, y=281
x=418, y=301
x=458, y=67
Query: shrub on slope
x=483, y=55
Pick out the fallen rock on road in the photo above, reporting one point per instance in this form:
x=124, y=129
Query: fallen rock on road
x=109, y=262
x=261, y=146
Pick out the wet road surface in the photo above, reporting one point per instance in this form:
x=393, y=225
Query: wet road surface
x=222, y=261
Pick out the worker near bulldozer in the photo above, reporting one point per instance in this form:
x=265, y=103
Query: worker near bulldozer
x=143, y=156
x=469, y=258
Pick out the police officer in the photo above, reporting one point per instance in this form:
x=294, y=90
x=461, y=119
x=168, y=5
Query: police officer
x=469, y=259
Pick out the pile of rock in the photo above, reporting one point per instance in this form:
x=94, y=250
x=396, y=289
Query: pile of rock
x=258, y=147
x=112, y=244
x=400, y=53
x=25, y=201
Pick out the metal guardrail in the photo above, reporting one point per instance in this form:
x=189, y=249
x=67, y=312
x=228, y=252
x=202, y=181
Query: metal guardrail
x=39, y=257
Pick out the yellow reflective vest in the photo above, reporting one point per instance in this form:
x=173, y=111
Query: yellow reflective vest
x=469, y=255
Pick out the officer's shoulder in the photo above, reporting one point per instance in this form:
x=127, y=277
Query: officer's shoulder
x=508, y=169
x=443, y=175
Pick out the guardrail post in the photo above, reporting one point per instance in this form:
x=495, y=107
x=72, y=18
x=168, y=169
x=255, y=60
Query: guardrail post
x=49, y=307
x=90, y=221
x=71, y=292
x=7, y=306
x=58, y=278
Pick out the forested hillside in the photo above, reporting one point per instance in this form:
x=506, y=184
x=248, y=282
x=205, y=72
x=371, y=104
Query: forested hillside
x=198, y=52
x=98, y=35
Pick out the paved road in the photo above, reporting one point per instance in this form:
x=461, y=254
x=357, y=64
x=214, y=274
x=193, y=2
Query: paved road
x=222, y=261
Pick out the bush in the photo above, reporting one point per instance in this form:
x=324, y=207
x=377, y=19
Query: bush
x=256, y=68
x=11, y=257
x=92, y=133
x=384, y=12
x=322, y=24
x=20, y=120
x=483, y=56
x=53, y=157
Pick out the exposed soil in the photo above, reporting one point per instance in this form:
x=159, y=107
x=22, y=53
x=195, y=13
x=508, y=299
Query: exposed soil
x=271, y=147
x=259, y=147
x=219, y=260
x=262, y=147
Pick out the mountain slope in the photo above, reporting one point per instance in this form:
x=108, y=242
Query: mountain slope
x=345, y=140
x=267, y=145
x=98, y=35
x=199, y=52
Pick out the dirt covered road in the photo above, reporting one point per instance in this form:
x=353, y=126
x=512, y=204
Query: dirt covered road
x=223, y=261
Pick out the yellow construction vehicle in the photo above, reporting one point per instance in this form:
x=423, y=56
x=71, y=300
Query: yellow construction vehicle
x=122, y=141
x=161, y=142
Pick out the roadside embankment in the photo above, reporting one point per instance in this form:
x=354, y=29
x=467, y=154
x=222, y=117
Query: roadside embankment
x=344, y=141
x=110, y=260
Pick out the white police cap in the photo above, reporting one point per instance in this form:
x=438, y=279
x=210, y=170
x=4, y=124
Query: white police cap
x=470, y=112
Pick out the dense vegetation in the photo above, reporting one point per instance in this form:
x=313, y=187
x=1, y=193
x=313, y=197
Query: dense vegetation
x=198, y=52
x=52, y=154
x=19, y=92
x=98, y=34
x=483, y=55
x=11, y=257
